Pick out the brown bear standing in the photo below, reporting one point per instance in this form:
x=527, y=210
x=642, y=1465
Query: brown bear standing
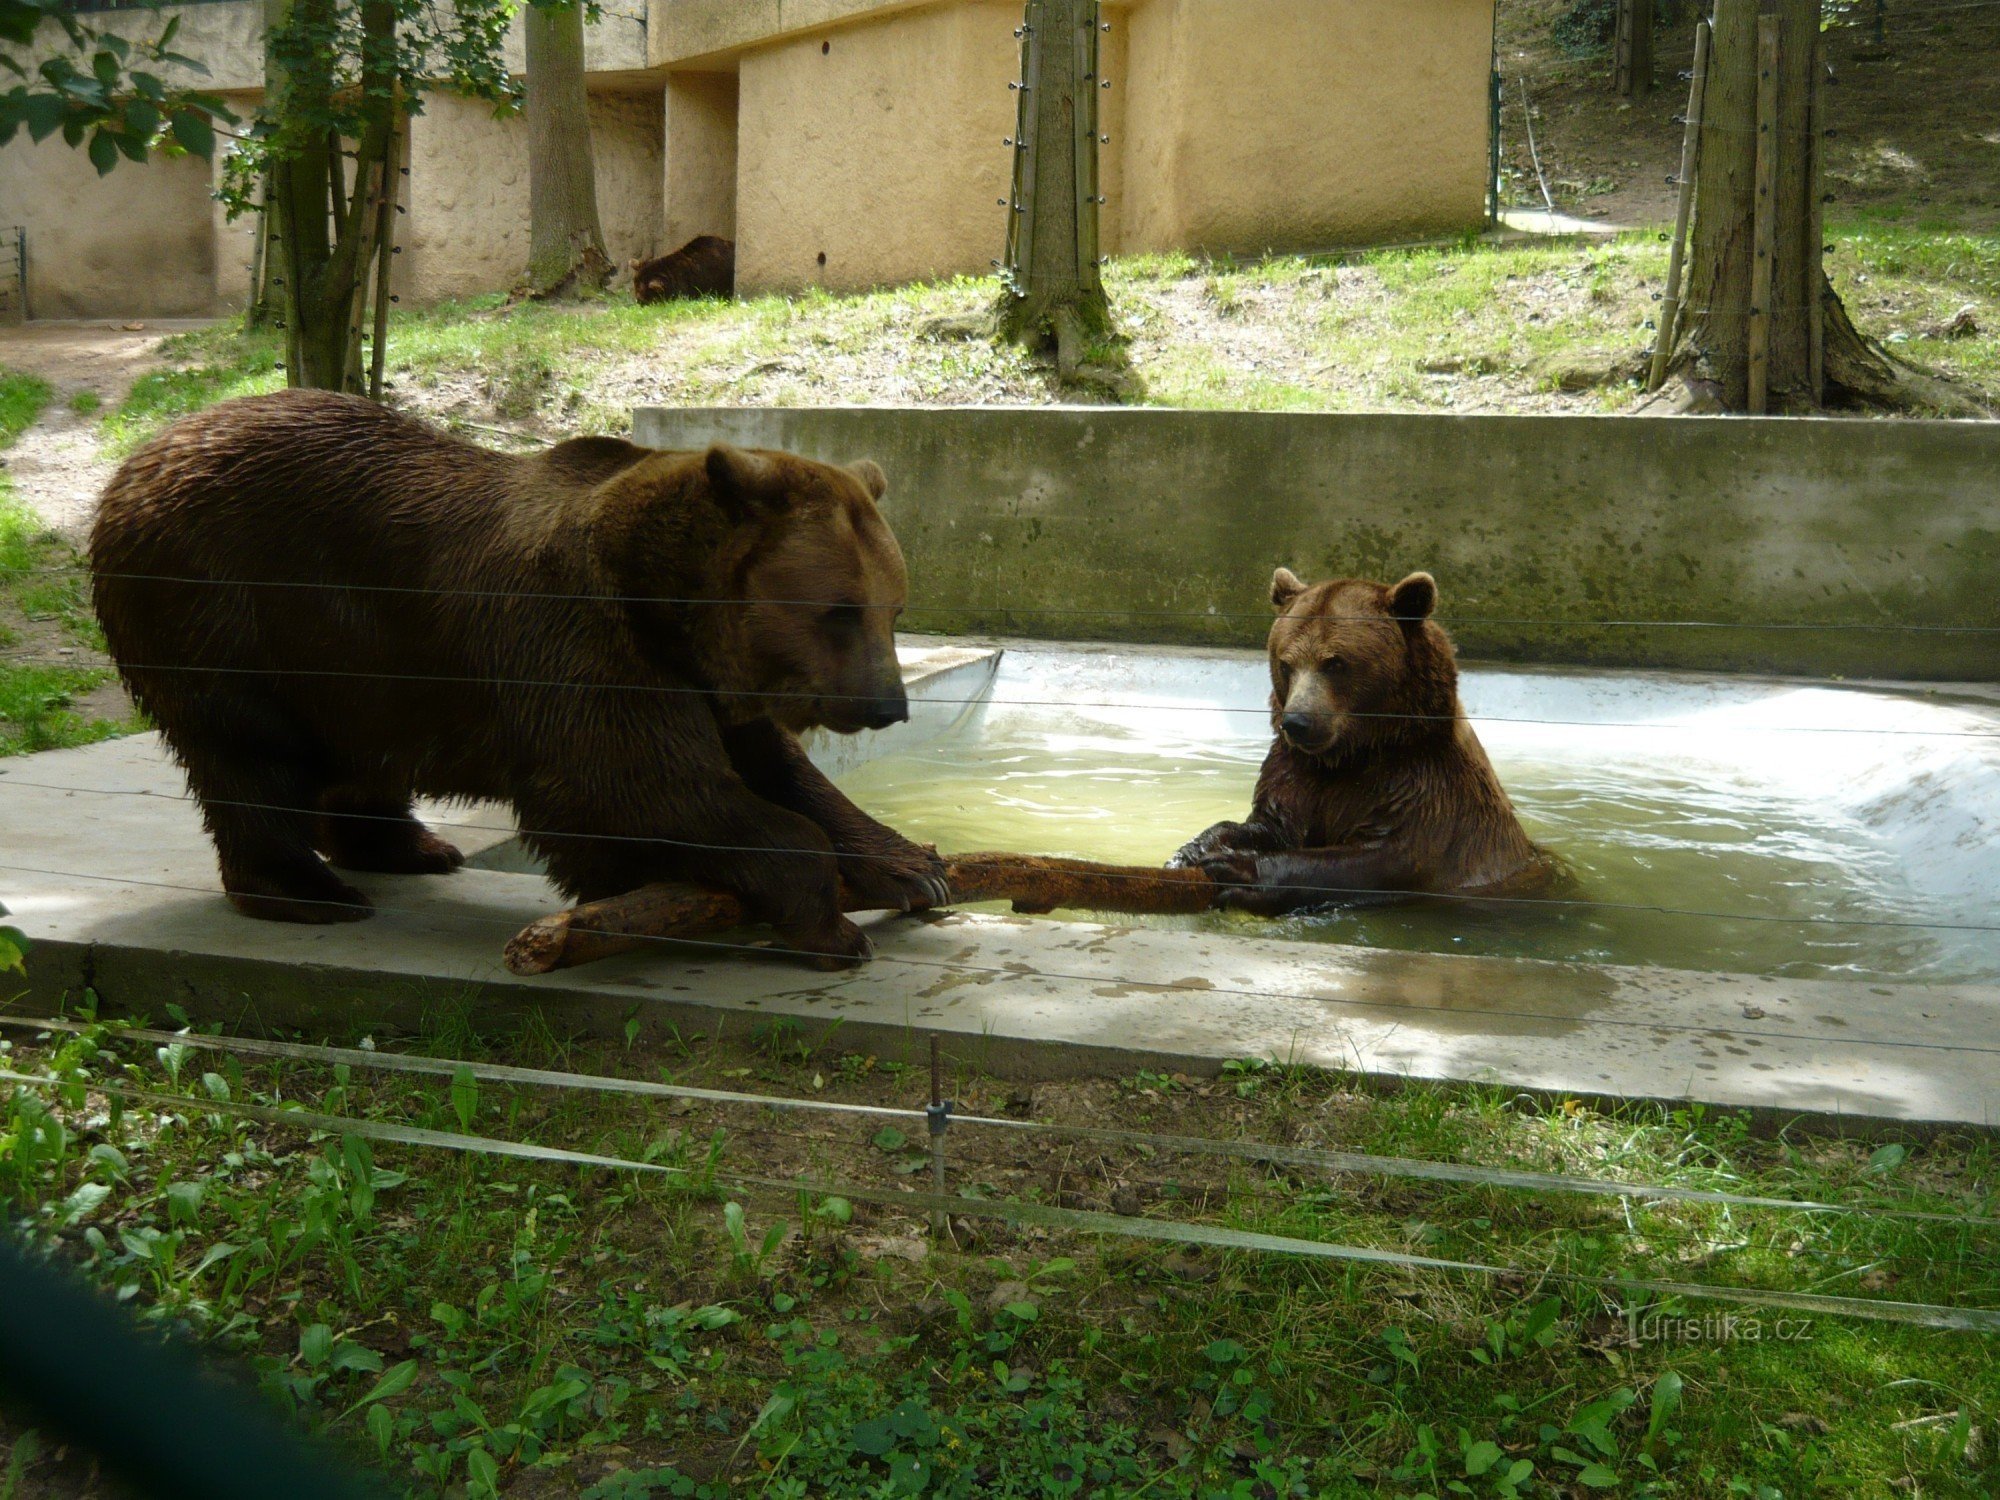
x=1375, y=783
x=704, y=267
x=328, y=608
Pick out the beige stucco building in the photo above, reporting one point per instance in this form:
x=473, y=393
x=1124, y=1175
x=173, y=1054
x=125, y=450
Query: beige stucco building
x=846, y=144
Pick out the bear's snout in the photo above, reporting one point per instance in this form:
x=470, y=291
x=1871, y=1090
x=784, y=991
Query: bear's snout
x=890, y=708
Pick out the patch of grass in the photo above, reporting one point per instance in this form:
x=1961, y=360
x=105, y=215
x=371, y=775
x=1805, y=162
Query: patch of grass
x=43, y=591
x=208, y=365
x=22, y=398
x=524, y=1328
x=85, y=402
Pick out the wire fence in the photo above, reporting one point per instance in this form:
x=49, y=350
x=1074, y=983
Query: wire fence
x=944, y=1206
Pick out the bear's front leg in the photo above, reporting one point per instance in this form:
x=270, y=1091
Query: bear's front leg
x=780, y=864
x=884, y=870
x=1272, y=885
x=1224, y=839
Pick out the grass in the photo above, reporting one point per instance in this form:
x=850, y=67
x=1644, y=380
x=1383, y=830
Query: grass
x=532, y=1330
x=42, y=595
x=1472, y=326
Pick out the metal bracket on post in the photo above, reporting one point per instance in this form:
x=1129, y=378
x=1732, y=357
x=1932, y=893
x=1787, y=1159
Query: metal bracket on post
x=1090, y=88
x=938, y=1116
x=1021, y=209
x=1764, y=233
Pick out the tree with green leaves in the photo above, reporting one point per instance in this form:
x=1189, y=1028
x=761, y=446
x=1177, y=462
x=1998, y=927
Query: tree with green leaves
x=98, y=88
x=340, y=81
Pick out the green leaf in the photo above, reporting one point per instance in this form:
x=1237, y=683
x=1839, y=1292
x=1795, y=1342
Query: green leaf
x=183, y=1201
x=464, y=1097
x=1597, y=1476
x=872, y=1438
x=1888, y=1158
x=141, y=118
x=889, y=1138
x=1027, y=1312
x=103, y=152
x=82, y=1203
x=1482, y=1456
x=1666, y=1396
x=315, y=1345
x=193, y=130
x=381, y=1425
x=483, y=1469
x=13, y=942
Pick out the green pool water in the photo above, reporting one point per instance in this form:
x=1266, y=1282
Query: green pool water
x=1729, y=850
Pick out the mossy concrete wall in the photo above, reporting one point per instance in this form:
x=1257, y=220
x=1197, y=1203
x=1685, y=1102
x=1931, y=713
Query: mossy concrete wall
x=1798, y=546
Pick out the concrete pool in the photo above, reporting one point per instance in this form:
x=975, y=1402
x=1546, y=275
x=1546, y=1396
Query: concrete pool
x=1816, y=809
x=1717, y=823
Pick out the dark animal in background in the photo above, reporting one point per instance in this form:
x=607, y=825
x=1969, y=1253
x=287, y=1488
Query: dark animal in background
x=622, y=642
x=704, y=267
x=1375, y=783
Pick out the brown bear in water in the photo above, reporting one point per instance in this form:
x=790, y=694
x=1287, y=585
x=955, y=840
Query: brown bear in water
x=1375, y=782
x=704, y=267
x=329, y=608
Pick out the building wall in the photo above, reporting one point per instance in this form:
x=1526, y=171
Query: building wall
x=135, y=243
x=702, y=112
x=467, y=231
x=1257, y=125
x=878, y=147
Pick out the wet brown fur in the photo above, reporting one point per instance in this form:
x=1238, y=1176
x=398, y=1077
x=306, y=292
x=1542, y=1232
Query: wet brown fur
x=504, y=627
x=704, y=267
x=1375, y=782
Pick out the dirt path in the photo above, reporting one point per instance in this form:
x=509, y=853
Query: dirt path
x=57, y=464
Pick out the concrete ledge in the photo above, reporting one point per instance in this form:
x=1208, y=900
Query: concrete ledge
x=1157, y=525
x=117, y=894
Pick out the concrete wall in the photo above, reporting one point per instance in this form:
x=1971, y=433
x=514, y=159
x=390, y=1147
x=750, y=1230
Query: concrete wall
x=467, y=231
x=1263, y=125
x=878, y=147
x=700, y=157
x=1170, y=523
x=136, y=243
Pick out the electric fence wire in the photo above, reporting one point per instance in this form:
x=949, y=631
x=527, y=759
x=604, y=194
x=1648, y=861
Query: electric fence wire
x=1359, y=892
x=1016, y=974
x=1256, y=1153
x=1033, y=611
x=689, y=690
x=1929, y=1315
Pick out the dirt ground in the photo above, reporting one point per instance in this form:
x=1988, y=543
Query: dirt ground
x=57, y=464
x=1916, y=119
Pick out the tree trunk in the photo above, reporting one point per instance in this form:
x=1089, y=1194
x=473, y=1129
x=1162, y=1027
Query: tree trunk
x=566, y=240
x=1810, y=352
x=325, y=233
x=1635, y=46
x=1055, y=293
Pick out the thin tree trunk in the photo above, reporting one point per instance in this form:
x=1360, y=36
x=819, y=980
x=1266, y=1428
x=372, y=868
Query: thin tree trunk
x=1057, y=297
x=1635, y=47
x=1713, y=351
x=325, y=232
x=566, y=239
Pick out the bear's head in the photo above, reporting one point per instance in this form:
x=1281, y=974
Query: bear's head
x=1356, y=664
x=799, y=581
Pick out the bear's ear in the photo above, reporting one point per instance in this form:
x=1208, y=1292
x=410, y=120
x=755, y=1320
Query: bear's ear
x=1412, y=600
x=1285, y=587
x=744, y=484
x=871, y=476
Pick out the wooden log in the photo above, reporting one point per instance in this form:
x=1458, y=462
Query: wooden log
x=669, y=911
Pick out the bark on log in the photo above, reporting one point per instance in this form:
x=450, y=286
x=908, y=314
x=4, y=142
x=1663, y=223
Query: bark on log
x=668, y=911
